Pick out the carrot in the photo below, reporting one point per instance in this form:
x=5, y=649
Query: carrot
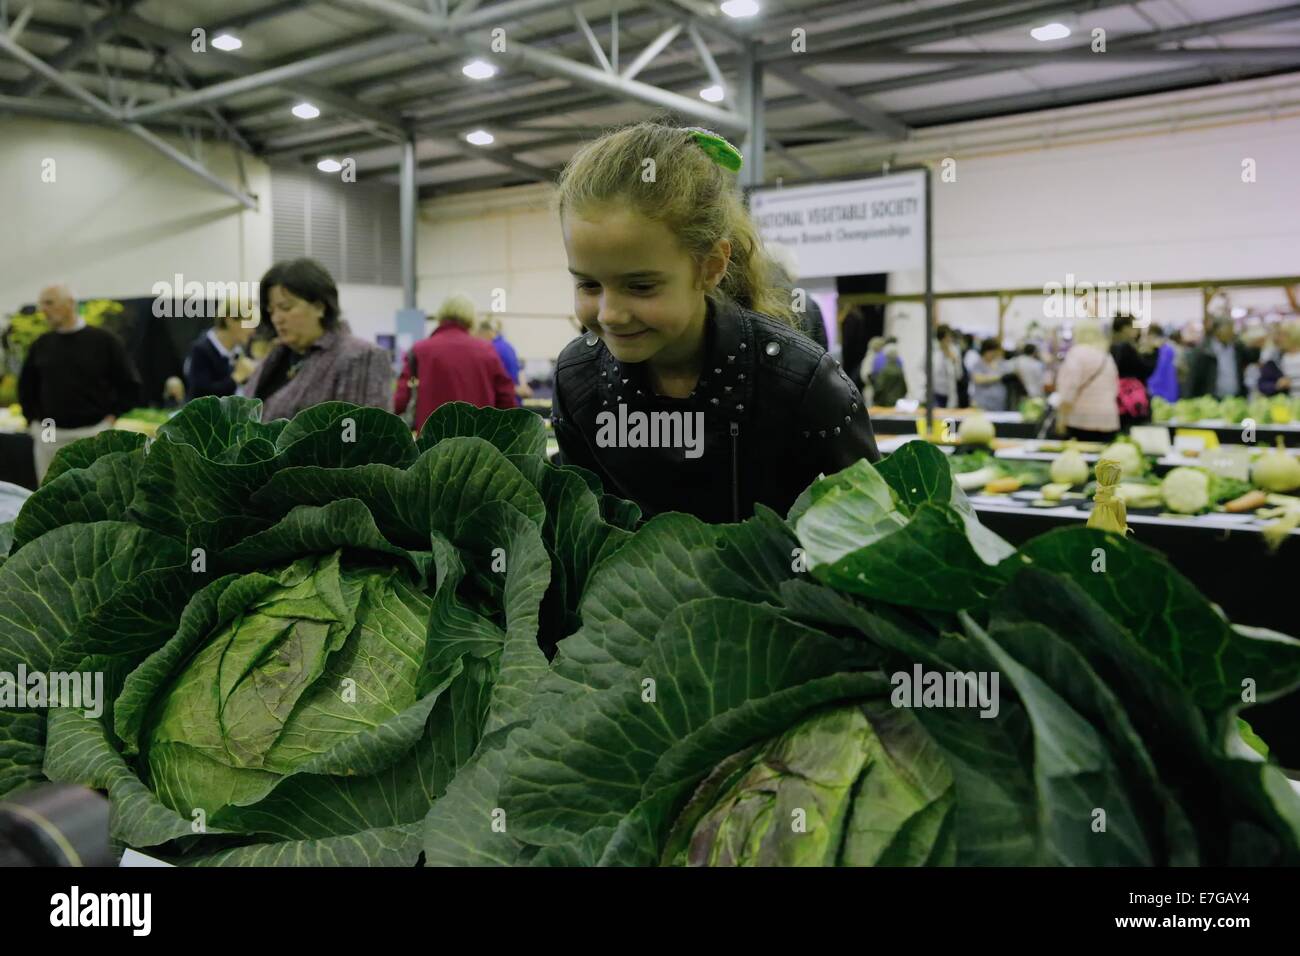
x=1001, y=486
x=1247, y=502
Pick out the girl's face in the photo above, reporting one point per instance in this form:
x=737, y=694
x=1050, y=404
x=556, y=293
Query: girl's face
x=297, y=322
x=635, y=287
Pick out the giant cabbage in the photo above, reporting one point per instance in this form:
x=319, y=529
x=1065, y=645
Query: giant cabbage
x=305, y=626
x=327, y=642
x=752, y=710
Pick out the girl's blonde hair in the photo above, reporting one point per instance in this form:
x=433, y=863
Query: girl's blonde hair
x=666, y=176
x=459, y=309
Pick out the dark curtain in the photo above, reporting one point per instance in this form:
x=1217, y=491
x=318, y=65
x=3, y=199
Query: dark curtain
x=158, y=346
x=861, y=323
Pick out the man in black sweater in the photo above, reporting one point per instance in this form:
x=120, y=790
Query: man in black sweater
x=75, y=381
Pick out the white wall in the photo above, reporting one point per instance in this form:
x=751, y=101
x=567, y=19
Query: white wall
x=1143, y=208
x=370, y=310
x=508, y=240
x=119, y=215
x=1156, y=196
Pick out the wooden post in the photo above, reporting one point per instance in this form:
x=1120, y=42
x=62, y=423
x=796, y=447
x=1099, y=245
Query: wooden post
x=1004, y=303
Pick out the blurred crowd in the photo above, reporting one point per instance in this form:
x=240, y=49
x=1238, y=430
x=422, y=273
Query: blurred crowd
x=1099, y=378
x=1091, y=379
x=77, y=380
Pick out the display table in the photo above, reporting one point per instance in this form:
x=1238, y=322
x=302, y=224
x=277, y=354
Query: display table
x=889, y=421
x=17, y=464
x=1223, y=555
x=1230, y=433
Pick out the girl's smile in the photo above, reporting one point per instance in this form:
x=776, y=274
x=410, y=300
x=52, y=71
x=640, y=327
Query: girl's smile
x=638, y=289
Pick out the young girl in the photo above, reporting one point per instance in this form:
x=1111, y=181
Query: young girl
x=692, y=389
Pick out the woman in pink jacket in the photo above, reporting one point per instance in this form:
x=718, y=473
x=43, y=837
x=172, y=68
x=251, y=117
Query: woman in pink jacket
x=1087, y=383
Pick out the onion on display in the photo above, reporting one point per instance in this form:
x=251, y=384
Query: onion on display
x=1069, y=468
x=1128, y=456
x=1276, y=470
x=976, y=430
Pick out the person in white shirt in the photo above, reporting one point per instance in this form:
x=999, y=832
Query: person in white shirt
x=946, y=368
x=972, y=356
x=987, y=389
x=875, y=348
x=1029, y=368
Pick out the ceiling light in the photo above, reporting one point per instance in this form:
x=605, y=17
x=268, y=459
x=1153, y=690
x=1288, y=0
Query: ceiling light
x=714, y=94
x=480, y=137
x=305, y=111
x=227, y=42
x=1051, y=31
x=478, y=70
x=329, y=165
x=740, y=8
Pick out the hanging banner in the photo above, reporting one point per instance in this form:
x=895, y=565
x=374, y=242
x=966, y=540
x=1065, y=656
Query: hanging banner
x=847, y=227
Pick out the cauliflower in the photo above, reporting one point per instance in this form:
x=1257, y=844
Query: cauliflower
x=1129, y=457
x=1186, y=490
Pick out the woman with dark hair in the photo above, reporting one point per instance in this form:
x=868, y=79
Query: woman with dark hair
x=315, y=357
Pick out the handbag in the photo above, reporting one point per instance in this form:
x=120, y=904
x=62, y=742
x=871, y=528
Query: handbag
x=1132, y=401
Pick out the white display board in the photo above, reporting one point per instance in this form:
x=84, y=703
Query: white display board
x=848, y=227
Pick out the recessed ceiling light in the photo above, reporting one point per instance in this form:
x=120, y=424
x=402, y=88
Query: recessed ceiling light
x=480, y=137
x=479, y=70
x=329, y=165
x=714, y=94
x=227, y=42
x=740, y=8
x=305, y=111
x=1051, y=31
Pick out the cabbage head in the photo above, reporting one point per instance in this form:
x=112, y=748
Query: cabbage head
x=304, y=627
x=746, y=712
x=861, y=785
x=299, y=663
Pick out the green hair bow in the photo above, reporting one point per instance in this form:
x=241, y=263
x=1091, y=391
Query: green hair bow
x=717, y=148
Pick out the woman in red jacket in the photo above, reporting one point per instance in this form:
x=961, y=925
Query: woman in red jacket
x=452, y=365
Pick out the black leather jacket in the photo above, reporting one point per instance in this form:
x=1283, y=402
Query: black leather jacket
x=777, y=411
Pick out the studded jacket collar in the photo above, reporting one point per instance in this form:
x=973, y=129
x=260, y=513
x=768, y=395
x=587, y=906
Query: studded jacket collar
x=725, y=385
x=777, y=411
